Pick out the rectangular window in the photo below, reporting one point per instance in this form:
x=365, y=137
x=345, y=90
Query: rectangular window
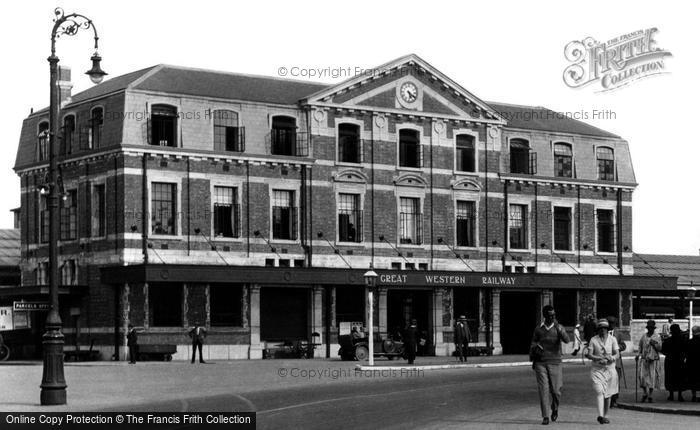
x=165, y=304
x=606, y=163
x=465, y=153
x=563, y=160
x=284, y=138
x=519, y=156
x=225, y=305
x=562, y=229
x=69, y=273
x=227, y=217
x=518, y=226
x=68, y=135
x=43, y=142
x=44, y=218
x=284, y=215
x=349, y=218
x=410, y=218
x=608, y=303
x=566, y=305
x=163, y=208
x=349, y=143
x=409, y=148
x=606, y=230
x=69, y=215
x=96, y=124
x=228, y=136
x=466, y=223
x=99, y=219
x=163, y=125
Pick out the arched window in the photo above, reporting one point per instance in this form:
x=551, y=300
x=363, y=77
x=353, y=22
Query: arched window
x=465, y=153
x=606, y=163
x=522, y=160
x=96, y=122
x=163, y=124
x=42, y=144
x=563, y=157
x=409, y=148
x=68, y=134
x=228, y=136
x=349, y=143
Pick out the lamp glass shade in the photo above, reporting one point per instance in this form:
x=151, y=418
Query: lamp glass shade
x=96, y=73
x=370, y=278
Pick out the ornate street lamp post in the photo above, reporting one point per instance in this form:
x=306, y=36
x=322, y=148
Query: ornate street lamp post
x=691, y=296
x=371, y=282
x=53, y=383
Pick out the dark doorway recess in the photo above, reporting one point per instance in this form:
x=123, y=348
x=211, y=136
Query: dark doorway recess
x=520, y=313
x=284, y=314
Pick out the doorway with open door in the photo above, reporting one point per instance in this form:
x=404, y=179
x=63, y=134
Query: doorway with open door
x=404, y=305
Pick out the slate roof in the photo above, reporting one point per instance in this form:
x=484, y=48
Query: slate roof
x=686, y=267
x=9, y=247
x=541, y=118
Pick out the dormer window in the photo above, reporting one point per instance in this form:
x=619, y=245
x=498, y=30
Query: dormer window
x=163, y=125
x=606, y=163
x=42, y=143
x=228, y=136
x=465, y=153
x=563, y=157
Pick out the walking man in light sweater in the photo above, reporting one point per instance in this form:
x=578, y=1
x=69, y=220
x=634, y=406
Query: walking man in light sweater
x=545, y=352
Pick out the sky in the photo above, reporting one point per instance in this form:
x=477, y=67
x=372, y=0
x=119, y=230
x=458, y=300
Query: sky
x=510, y=52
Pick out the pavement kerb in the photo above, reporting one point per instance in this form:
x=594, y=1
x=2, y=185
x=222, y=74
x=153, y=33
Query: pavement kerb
x=657, y=409
x=466, y=366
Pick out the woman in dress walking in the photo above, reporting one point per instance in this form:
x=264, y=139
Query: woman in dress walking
x=603, y=351
x=674, y=347
x=649, y=364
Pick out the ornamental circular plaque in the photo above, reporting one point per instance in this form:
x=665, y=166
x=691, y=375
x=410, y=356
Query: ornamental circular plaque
x=287, y=276
x=493, y=132
x=380, y=121
x=319, y=115
x=439, y=126
x=164, y=274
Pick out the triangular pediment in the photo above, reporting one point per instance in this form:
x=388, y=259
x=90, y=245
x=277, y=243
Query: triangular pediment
x=407, y=85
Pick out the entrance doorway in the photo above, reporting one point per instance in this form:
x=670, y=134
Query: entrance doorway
x=520, y=313
x=404, y=305
x=284, y=314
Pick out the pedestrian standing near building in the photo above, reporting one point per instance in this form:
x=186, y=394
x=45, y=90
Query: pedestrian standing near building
x=622, y=346
x=132, y=341
x=649, y=364
x=461, y=338
x=603, y=351
x=693, y=363
x=410, y=341
x=674, y=347
x=198, y=335
x=545, y=353
x=577, y=339
x=589, y=328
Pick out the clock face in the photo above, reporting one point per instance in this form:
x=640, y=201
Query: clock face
x=409, y=92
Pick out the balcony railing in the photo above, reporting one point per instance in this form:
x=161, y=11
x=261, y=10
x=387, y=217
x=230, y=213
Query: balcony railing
x=282, y=141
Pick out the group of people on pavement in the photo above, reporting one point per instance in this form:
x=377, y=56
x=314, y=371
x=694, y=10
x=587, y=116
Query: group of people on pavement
x=198, y=334
x=681, y=369
x=602, y=344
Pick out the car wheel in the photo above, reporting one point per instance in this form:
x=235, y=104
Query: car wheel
x=361, y=353
x=389, y=346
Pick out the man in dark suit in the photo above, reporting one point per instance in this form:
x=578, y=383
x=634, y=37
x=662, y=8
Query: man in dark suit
x=198, y=334
x=461, y=338
x=410, y=341
x=132, y=341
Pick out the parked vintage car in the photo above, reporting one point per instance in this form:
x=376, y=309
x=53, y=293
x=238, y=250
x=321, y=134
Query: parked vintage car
x=359, y=348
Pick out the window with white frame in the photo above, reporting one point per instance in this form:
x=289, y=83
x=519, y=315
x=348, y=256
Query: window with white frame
x=563, y=160
x=606, y=163
x=466, y=223
x=69, y=215
x=465, y=153
x=518, y=226
x=409, y=148
x=226, y=212
x=228, y=136
x=68, y=134
x=284, y=215
x=349, y=218
x=163, y=125
x=349, y=143
x=69, y=273
x=96, y=124
x=410, y=221
x=562, y=229
x=42, y=144
x=606, y=230
x=163, y=208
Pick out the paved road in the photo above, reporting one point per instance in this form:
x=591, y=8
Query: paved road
x=489, y=398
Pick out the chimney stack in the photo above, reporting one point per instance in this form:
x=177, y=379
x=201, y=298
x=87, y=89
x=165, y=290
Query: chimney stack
x=64, y=86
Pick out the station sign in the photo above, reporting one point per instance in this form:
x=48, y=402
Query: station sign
x=31, y=306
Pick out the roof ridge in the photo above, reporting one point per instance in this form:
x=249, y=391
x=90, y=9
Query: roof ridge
x=248, y=75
